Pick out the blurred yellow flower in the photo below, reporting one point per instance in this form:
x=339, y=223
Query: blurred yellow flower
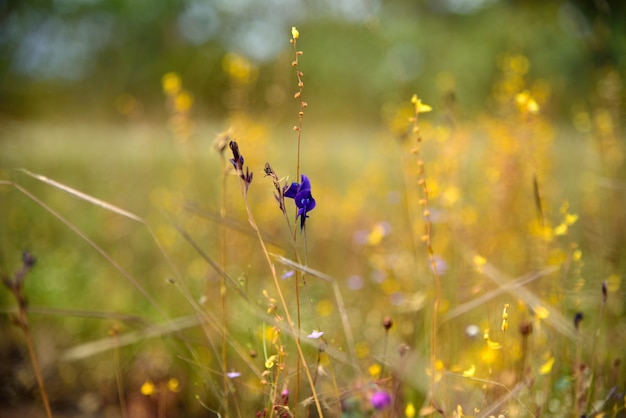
x=470, y=372
x=518, y=63
x=409, y=411
x=505, y=317
x=494, y=345
x=173, y=385
x=294, y=33
x=541, y=312
x=561, y=229
x=546, y=368
x=419, y=106
x=325, y=307
x=269, y=363
x=439, y=368
x=239, y=68
x=479, y=262
x=390, y=286
x=377, y=234
x=570, y=218
x=148, y=388
x=488, y=356
x=362, y=349
x=183, y=101
x=526, y=103
x=459, y=411
x=171, y=83
x=577, y=255
x=614, y=282
x=374, y=370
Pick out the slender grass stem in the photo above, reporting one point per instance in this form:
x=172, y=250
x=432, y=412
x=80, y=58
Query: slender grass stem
x=15, y=286
x=295, y=332
x=223, y=246
x=33, y=359
x=118, y=373
x=427, y=239
x=298, y=129
x=594, y=351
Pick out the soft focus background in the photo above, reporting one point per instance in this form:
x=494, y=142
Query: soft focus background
x=122, y=100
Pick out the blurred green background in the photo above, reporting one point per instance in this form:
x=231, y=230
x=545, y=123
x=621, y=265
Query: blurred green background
x=81, y=58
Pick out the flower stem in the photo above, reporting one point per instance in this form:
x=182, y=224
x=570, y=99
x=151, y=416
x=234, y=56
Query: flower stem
x=427, y=239
x=298, y=129
x=15, y=285
x=223, y=233
x=295, y=332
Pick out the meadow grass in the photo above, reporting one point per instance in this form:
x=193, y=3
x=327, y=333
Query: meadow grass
x=449, y=267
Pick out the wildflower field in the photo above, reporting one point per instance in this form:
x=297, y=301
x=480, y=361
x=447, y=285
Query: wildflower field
x=441, y=258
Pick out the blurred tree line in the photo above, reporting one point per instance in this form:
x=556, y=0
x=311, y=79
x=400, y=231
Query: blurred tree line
x=106, y=58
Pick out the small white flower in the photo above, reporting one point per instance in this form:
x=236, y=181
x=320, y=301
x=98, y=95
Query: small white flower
x=315, y=334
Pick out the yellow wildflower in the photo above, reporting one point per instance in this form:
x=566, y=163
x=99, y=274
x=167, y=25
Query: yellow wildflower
x=374, y=370
x=269, y=363
x=546, y=368
x=148, y=388
x=173, y=385
x=409, y=411
x=470, y=372
x=419, y=106
x=171, y=83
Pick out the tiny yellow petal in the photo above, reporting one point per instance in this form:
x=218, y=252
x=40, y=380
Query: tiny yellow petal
x=294, y=33
x=374, y=370
x=324, y=307
x=571, y=218
x=614, y=282
x=479, y=260
x=532, y=107
x=541, y=312
x=147, y=388
x=183, y=101
x=269, y=363
x=470, y=372
x=494, y=345
x=561, y=229
x=409, y=411
x=414, y=99
x=423, y=108
x=488, y=356
x=522, y=98
x=171, y=83
x=459, y=411
x=173, y=385
x=377, y=234
x=546, y=368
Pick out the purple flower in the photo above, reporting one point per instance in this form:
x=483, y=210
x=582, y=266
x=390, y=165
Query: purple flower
x=233, y=374
x=301, y=194
x=287, y=274
x=237, y=162
x=380, y=400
